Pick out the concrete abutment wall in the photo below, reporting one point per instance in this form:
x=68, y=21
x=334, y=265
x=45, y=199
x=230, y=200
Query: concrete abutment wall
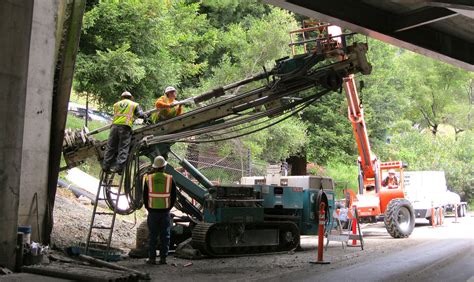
x=37, y=118
x=28, y=56
x=15, y=28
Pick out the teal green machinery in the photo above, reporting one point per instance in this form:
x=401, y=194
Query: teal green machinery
x=243, y=219
x=237, y=220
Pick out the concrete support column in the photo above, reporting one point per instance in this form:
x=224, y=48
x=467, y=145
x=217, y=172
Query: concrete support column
x=37, y=118
x=15, y=28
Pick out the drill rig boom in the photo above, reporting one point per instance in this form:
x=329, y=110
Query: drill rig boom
x=287, y=78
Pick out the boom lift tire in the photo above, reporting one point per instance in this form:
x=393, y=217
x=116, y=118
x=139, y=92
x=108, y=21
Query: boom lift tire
x=399, y=218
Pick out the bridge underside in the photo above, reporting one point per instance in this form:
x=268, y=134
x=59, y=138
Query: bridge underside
x=440, y=29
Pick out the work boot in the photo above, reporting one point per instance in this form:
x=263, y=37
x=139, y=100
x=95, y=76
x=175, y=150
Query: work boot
x=151, y=261
x=106, y=169
x=116, y=169
x=162, y=260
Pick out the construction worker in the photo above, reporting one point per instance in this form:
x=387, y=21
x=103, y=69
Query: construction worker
x=167, y=105
x=159, y=196
x=391, y=180
x=118, y=144
x=168, y=108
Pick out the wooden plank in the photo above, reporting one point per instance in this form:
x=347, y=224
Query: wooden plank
x=80, y=272
x=99, y=262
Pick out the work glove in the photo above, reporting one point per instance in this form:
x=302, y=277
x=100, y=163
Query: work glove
x=189, y=101
x=174, y=103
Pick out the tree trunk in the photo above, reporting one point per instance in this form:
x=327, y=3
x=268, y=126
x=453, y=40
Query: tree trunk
x=297, y=164
x=434, y=129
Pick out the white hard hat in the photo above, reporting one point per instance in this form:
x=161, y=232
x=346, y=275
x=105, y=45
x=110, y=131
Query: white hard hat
x=126, y=94
x=159, y=162
x=390, y=171
x=170, y=89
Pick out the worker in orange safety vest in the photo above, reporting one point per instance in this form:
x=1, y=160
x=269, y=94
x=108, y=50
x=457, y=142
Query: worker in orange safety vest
x=167, y=105
x=159, y=196
x=116, y=152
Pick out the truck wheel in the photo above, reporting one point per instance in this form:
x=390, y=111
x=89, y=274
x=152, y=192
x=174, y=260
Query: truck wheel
x=399, y=218
x=430, y=219
x=460, y=211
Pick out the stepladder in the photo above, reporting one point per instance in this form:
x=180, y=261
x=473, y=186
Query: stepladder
x=99, y=237
x=345, y=222
x=354, y=225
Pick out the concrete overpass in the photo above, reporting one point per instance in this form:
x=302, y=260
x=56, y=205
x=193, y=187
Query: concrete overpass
x=37, y=55
x=440, y=29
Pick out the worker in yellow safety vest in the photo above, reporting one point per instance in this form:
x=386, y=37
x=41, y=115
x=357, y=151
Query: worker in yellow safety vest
x=159, y=196
x=116, y=152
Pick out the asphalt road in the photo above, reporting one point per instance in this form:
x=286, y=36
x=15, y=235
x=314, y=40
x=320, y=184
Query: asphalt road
x=444, y=260
x=443, y=254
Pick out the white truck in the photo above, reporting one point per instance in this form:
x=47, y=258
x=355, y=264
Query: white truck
x=426, y=190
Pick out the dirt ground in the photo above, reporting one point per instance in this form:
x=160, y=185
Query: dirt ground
x=72, y=219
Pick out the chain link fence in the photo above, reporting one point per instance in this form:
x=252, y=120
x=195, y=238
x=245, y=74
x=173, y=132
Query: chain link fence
x=222, y=163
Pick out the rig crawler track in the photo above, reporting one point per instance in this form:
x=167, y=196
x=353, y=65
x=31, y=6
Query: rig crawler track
x=236, y=239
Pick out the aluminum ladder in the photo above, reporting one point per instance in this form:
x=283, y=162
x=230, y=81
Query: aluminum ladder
x=106, y=184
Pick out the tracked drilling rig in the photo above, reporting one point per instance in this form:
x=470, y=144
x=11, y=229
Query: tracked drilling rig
x=238, y=219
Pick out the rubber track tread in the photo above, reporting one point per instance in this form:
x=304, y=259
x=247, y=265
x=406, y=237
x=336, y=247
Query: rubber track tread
x=199, y=237
x=202, y=231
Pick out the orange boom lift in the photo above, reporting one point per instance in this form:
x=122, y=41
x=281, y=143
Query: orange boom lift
x=372, y=199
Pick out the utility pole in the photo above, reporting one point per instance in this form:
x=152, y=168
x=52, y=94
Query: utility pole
x=249, y=160
x=87, y=108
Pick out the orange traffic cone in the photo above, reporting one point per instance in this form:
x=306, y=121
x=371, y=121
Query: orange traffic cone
x=354, y=227
x=322, y=223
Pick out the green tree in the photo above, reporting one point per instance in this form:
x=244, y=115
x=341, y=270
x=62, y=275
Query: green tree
x=244, y=48
x=278, y=142
x=437, y=90
x=222, y=13
x=461, y=112
x=329, y=130
x=140, y=46
x=247, y=46
x=424, y=151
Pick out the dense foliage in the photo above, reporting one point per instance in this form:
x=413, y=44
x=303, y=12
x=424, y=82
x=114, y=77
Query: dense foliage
x=417, y=109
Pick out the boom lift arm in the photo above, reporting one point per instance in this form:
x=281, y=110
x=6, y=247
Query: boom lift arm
x=368, y=164
x=372, y=200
